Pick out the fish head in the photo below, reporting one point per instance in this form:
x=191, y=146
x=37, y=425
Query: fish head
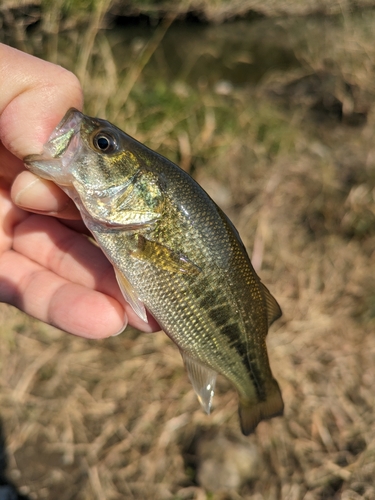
x=100, y=168
x=84, y=149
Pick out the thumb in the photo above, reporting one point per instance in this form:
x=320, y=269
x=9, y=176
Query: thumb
x=34, y=97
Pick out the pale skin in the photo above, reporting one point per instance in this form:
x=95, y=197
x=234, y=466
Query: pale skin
x=48, y=267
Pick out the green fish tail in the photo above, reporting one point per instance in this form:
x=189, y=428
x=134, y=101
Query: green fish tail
x=251, y=414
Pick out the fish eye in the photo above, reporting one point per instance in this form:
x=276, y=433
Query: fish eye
x=104, y=143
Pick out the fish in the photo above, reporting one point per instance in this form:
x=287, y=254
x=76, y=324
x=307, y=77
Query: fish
x=175, y=254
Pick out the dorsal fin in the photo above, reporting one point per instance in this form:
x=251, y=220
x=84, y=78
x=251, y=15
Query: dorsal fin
x=203, y=380
x=273, y=309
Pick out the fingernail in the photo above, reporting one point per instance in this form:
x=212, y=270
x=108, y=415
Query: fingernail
x=30, y=191
x=38, y=195
x=122, y=328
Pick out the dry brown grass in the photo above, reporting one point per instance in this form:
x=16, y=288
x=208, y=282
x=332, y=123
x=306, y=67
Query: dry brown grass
x=118, y=418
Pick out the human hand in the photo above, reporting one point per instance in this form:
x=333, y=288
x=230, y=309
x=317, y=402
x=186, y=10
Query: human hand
x=48, y=267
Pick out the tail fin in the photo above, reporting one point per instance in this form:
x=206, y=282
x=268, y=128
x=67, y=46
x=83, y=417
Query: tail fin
x=251, y=414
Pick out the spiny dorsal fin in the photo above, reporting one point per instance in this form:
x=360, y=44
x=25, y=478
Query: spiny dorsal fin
x=203, y=380
x=273, y=309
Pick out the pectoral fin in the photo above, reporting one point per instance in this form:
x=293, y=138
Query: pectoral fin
x=163, y=257
x=131, y=296
x=203, y=380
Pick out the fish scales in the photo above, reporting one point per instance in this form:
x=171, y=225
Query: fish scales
x=189, y=325
x=175, y=253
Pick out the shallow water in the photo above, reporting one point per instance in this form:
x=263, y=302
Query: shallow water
x=240, y=52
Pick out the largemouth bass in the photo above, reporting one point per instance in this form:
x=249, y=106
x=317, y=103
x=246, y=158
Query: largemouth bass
x=175, y=254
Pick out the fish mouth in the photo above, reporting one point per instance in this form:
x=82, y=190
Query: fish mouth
x=58, y=152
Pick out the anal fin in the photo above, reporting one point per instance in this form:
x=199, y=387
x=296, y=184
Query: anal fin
x=202, y=379
x=131, y=296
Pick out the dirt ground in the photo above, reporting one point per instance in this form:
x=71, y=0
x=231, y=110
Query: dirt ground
x=290, y=157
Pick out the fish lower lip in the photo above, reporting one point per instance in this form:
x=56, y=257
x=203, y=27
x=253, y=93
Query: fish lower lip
x=53, y=163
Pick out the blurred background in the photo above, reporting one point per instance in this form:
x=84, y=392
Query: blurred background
x=270, y=106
